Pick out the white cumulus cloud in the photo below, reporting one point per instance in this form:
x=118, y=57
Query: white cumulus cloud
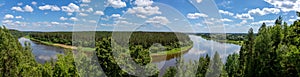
x=264, y=11
x=158, y=20
x=195, y=15
x=115, y=15
x=63, y=18
x=18, y=17
x=244, y=16
x=226, y=12
x=16, y=8
x=116, y=3
x=54, y=23
x=49, y=7
x=143, y=2
x=86, y=1
x=143, y=12
x=8, y=16
x=70, y=8
x=83, y=14
x=73, y=19
x=99, y=13
x=226, y=20
x=28, y=8
x=199, y=1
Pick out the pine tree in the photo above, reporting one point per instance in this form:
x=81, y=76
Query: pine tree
x=232, y=65
x=215, y=67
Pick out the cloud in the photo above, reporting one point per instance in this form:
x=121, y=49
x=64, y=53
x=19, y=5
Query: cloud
x=116, y=3
x=49, y=7
x=198, y=1
x=73, y=19
x=226, y=20
x=86, y=1
x=54, y=23
x=243, y=22
x=20, y=4
x=83, y=14
x=226, y=12
x=33, y=3
x=285, y=5
x=244, y=16
x=92, y=21
x=16, y=8
x=264, y=11
x=63, y=18
x=7, y=21
x=141, y=3
x=144, y=11
x=195, y=15
x=99, y=13
x=8, y=16
x=268, y=22
x=158, y=20
x=70, y=8
x=292, y=20
x=115, y=15
x=18, y=17
x=28, y=8
x=90, y=10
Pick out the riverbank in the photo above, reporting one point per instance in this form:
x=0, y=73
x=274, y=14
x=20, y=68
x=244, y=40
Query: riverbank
x=60, y=45
x=225, y=41
x=166, y=55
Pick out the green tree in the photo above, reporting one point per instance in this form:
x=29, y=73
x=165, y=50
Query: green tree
x=232, y=65
x=215, y=67
x=203, y=65
x=15, y=60
x=171, y=72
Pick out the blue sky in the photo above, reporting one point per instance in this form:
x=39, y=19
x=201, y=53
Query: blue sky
x=230, y=16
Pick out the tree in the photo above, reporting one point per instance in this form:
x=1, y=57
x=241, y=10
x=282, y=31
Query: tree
x=298, y=13
x=171, y=72
x=278, y=21
x=15, y=60
x=203, y=65
x=215, y=67
x=232, y=65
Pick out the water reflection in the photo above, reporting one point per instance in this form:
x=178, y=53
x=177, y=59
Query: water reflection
x=42, y=52
x=201, y=48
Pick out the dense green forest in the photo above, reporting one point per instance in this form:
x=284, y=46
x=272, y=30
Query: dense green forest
x=146, y=39
x=234, y=38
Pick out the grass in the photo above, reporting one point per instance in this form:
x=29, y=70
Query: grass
x=231, y=42
x=174, y=51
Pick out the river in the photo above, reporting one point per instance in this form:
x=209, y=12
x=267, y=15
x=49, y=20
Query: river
x=200, y=48
x=42, y=52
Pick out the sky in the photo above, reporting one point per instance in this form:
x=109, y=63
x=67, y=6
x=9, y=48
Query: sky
x=206, y=16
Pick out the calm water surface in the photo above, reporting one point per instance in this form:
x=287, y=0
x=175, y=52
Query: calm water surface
x=42, y=52
x=200, y=48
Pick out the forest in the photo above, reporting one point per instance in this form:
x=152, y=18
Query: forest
x=234, y=38
x=273, y=52
x=146, y=39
